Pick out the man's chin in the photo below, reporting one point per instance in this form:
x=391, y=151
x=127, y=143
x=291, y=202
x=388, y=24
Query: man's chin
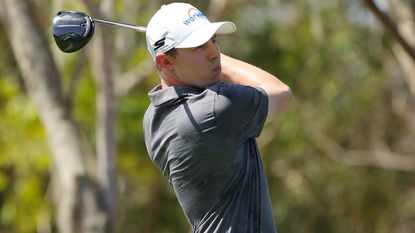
x=217, y=69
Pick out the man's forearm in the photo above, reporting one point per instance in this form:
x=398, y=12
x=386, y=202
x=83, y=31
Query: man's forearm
x=239, y=72
x=236, y=71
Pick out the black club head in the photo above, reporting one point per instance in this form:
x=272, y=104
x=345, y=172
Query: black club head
x=72, y=30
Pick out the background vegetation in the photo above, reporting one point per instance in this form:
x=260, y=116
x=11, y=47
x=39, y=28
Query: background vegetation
x=341, y=159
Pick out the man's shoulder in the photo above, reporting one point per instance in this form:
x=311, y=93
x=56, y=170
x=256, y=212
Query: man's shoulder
x=235, y=94
x=232, y=89
x=149, y=111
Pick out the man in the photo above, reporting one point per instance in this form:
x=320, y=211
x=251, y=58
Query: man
x=201, y=125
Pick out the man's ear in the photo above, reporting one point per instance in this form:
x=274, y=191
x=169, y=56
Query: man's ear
x=163, y=61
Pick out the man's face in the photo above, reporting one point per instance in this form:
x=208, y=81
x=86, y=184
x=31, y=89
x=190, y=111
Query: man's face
x=198, y=67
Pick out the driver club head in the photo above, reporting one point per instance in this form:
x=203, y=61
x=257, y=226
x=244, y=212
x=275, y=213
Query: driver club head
x=72, y=30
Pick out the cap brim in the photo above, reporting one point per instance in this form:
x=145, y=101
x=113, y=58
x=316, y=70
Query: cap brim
x=204, y=33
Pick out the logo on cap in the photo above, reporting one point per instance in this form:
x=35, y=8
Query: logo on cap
x=160, y=43
x=194, y=15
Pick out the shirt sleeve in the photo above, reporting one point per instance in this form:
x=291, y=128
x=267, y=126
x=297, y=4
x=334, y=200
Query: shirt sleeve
x=240, y=111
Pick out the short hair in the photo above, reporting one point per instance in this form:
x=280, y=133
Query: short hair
x=172, y=52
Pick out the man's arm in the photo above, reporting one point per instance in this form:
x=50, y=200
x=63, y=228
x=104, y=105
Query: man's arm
x=239, y=72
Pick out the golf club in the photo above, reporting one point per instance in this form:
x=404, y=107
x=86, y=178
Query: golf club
x=72, y=30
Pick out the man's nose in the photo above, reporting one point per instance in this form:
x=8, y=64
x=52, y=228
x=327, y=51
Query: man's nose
x=213, y=50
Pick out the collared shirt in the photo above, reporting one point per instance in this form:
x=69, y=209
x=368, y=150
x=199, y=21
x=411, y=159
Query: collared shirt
x=203, y=141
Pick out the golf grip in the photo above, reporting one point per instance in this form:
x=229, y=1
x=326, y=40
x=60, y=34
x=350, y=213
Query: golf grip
x=124, y=25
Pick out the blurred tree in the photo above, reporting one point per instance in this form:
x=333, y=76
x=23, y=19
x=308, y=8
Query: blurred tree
x=79, y=209
x=404, y=14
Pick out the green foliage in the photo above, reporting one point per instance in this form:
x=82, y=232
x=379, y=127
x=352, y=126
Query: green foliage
x=84, y=106
x=24, y=161
x=341, y=90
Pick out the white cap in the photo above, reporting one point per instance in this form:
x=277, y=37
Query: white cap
x=181, y=25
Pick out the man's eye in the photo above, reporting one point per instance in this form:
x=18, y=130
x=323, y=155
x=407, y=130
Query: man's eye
x=214, y=40
x=198, y=47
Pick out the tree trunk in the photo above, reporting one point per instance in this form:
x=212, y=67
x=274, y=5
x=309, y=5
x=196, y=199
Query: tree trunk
x=106, y=148
x=404, y=17
x=103, y=62
x=78, y=206
x=390, y=27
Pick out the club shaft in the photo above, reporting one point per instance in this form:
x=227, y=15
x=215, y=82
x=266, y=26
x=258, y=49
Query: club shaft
x=124, y=25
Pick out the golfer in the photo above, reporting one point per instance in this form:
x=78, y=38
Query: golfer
x=201, y=125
